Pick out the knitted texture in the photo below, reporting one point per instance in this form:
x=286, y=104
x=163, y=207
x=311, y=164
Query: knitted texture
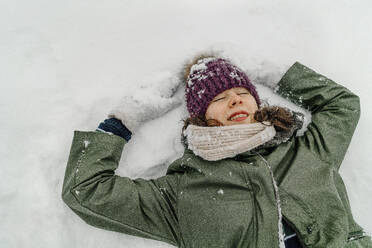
x=215, y=143
x=116, y=127
x=210, y=77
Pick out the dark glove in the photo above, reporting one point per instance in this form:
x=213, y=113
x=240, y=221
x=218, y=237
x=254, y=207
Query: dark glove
x=116, y=127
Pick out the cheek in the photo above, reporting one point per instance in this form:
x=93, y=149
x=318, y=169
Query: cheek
x=213, y=112
x=252, y=105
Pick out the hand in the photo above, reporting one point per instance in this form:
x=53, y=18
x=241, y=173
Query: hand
x=115, y=126
x=148, y=102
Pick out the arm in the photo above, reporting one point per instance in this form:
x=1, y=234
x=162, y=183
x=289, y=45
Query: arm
x=145, y=208
x=335, y=111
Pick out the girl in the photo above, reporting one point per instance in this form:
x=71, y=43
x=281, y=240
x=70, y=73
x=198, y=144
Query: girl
x=245, y=179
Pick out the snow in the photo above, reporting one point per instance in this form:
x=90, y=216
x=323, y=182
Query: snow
x=86, y=143
x=233, y=74
x=198, y=68
x=200, y=93
x=65, y=64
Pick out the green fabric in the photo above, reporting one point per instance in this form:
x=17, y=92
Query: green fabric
x=231, y=202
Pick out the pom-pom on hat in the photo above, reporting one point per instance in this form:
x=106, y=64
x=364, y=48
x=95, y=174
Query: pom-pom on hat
x=209, y=77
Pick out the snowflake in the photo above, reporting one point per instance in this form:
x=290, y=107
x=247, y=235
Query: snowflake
x=220, y=191
x=86, y=143
x=233, y=74
x=200, y=93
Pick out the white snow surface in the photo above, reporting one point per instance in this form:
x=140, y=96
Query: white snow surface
x=65, y=64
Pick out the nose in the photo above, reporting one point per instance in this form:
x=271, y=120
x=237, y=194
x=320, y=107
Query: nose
x=235, y=99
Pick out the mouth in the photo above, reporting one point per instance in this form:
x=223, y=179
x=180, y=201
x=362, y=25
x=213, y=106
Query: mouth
x=238, y=116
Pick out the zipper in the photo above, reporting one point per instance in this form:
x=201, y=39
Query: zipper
x=277, y=198
x=356, y=235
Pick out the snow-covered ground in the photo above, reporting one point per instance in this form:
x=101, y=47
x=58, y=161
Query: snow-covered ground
x=64, y=64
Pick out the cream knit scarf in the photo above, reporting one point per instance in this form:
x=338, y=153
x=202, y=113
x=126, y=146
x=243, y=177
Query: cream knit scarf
x=215, y=143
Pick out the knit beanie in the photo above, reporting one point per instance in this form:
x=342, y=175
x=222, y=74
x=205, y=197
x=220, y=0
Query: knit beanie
x=209, y=77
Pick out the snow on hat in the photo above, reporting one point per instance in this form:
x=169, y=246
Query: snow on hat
x=209, y=77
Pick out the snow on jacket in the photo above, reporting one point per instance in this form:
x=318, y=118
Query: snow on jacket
x=231, y=202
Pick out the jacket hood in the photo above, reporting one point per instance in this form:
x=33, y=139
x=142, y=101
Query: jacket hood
x=283, y=136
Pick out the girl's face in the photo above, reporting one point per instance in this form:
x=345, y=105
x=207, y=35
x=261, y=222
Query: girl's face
x=232, y=107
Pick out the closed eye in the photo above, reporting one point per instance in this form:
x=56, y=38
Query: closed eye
x=218, y=99
x=247, y=93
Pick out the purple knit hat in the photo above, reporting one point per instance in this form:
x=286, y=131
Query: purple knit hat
x=208, y=78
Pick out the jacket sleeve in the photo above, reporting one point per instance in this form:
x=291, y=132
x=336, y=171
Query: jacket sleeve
x=145, y=208
x=335, y=111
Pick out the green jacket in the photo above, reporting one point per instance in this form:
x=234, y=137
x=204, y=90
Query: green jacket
x=231, y=202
